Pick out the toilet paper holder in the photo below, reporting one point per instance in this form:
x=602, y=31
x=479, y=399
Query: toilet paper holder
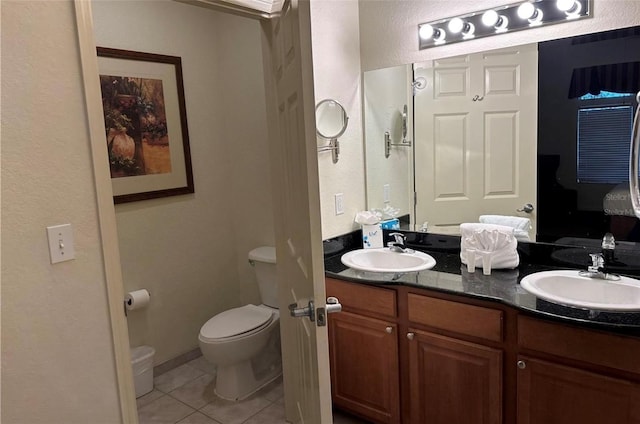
x=130, y=298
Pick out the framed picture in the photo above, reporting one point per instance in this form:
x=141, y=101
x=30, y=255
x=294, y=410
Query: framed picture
x=145, y=124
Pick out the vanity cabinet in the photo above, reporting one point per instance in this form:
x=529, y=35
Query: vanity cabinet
x=403, y=354
x=549, y=393
x=452, y=380
x=363, y=349
x=574, y=375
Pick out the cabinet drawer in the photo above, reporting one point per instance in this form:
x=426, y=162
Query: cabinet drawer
x=460, y=318
x=609, y=350
x=363, y=299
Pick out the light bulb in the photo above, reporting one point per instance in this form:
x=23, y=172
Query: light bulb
x=426, y=32
x=571, y=8
x=490, y=18
x=565, y=5
x=499, y=22
x=526, y=10
x=531, y=13
x=455, y=25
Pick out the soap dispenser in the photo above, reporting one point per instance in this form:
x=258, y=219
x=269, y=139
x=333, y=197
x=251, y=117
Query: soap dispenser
x=608, y=248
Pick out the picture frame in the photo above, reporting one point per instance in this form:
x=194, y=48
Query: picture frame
x=146, y=128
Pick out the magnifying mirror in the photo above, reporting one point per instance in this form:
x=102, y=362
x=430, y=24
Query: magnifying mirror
x=331, y=123
x=331, y=119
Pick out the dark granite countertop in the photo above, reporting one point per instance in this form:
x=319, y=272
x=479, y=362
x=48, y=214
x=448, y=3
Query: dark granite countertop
x=450, y=276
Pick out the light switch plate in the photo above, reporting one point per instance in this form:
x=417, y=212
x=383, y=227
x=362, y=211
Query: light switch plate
x=339, y=203
x=61, y=243
x=386, y=193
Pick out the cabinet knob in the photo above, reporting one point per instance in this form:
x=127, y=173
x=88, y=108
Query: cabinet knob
x=410, y=336
x=389, y=330
x=522, y=365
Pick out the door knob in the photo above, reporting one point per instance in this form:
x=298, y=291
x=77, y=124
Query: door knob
x=333, y=305
x=528, y=208
x=306, y=311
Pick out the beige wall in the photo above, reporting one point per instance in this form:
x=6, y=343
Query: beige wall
x=337, y=75
x=389, y=29
x=190, y=251
x=57, y=352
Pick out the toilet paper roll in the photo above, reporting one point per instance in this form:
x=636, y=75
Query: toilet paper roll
x=136, y=299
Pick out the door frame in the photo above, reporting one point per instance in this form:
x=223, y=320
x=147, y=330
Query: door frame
x=106, y=212
x=107, y=217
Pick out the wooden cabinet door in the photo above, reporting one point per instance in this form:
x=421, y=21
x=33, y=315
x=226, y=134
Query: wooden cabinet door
x=453, y=381
x=554, y=394
x=364, y=366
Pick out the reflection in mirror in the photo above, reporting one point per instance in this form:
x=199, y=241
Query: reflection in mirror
x=331, y=123
x=389, y=176
x=475, y=132
x=507, y=128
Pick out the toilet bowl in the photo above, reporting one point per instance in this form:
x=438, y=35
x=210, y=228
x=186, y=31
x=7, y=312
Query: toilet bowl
x=244, y=342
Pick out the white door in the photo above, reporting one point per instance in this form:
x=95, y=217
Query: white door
x=294, y=160
x=476, y=137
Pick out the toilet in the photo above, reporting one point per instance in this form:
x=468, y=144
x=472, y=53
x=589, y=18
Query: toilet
x=244, y=342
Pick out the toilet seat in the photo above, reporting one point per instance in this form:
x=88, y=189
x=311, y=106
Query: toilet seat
x=236, y=323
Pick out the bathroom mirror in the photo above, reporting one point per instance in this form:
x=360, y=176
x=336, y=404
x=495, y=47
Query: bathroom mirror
x=572, y=205
x=331, y=119
x=388, y=113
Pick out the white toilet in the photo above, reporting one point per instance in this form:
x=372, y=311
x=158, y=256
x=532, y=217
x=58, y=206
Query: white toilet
x=244, y=342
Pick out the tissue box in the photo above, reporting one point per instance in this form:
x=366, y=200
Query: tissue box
x=391, y=224
x=372, y=236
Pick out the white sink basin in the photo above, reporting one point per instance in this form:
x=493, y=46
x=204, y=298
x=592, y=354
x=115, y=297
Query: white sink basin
x=384, y=260
x=570, y=288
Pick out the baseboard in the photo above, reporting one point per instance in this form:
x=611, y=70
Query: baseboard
x=176, y=362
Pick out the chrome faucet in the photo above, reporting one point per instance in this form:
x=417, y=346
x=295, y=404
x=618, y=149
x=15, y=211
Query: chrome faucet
x=398, y=244
x=600, y=261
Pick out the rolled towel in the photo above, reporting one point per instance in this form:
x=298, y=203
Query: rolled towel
x=521, y=225
x=498, y=241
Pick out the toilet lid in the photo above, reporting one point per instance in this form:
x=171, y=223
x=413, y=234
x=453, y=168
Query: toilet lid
x=236, y=321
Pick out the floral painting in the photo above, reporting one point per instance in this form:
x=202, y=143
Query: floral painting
x=145, y=124
x=136, y=126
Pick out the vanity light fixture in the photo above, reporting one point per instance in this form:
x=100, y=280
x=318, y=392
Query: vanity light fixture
x=498, y=20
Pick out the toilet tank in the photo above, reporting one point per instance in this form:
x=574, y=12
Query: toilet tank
x=263, y=260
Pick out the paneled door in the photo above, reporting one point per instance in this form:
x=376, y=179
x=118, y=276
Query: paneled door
x=476, y=137
x=299, y=256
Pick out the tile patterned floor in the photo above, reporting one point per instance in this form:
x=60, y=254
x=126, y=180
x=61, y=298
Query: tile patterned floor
x=185, y=395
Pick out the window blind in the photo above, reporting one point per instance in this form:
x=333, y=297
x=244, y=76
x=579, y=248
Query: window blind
x=604, y=135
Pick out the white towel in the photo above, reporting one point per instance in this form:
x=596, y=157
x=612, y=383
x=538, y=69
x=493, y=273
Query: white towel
x=521, y=225
x=498, y=241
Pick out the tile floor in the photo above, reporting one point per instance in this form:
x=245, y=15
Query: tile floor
x=185, y=395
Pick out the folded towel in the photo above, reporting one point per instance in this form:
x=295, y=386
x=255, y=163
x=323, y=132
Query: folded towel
x=498, y=241
x=521, y=225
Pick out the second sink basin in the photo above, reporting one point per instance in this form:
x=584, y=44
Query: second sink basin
x=570, y=288
x=384, y=260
